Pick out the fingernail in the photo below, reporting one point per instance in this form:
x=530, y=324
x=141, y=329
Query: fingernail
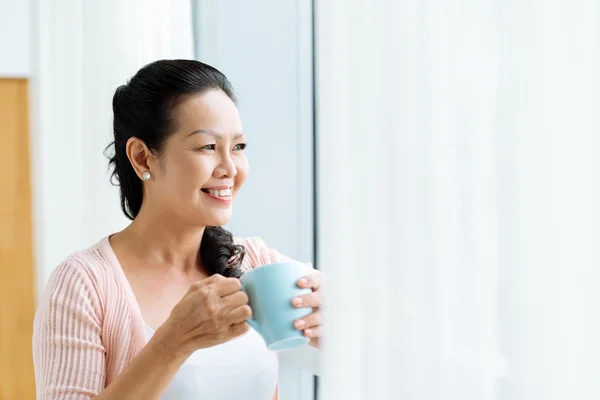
x=308, y=332
x=300, y=324
x=297, y=302
x=303, y=282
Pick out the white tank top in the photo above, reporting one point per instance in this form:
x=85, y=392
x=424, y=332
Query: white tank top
x=240, y=369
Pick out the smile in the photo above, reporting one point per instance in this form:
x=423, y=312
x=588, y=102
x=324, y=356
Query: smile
x=218, y=192
x=223, y=195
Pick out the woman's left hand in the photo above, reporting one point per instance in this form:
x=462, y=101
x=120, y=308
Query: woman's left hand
x=311, y=324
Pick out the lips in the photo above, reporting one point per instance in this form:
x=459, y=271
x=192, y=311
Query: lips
x=223, y=194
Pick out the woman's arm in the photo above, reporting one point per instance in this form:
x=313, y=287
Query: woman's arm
x=68, y=353
x=149, y=373
x=213, y=311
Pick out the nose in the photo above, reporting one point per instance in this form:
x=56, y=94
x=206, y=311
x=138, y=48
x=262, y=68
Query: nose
x=226, y=168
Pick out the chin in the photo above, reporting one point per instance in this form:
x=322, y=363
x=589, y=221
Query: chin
x=218, y=220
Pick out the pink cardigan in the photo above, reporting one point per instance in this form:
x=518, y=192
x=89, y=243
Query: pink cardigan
x=88, y=325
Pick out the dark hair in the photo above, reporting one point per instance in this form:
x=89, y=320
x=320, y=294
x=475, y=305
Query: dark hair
x=145, y=108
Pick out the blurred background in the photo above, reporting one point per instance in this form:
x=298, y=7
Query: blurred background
x=437, y=159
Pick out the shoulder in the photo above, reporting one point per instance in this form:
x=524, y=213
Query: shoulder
x=257, y=253
x=73, y=293
x=82, y=275
x=91, y=264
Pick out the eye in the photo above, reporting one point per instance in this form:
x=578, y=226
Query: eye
x=209, y=147
x=239, y=147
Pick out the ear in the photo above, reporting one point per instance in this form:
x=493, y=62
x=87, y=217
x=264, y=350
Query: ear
x=139, y=156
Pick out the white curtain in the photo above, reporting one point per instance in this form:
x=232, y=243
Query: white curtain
x=84, y=50
x=458, y=145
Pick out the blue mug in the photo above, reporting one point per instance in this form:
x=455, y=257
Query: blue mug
x=270, y=291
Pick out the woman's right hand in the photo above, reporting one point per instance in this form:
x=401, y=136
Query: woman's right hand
x=213, y=311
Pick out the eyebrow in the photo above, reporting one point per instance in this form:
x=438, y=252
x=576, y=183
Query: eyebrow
x=236, y=135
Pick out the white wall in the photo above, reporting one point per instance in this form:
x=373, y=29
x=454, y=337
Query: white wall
x=15, y=38
x=83, y=52
x=265, y=49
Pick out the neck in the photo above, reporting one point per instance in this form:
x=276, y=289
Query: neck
x=163, y=239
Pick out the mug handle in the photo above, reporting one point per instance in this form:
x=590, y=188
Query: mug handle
x=251, y=321
x=254, y=325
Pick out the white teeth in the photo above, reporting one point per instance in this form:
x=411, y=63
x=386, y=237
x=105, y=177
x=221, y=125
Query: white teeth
x=220, y=193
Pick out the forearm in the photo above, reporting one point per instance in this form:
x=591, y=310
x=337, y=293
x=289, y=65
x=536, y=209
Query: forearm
x=148, y=374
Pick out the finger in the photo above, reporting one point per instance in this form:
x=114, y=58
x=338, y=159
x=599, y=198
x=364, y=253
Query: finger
x=214, y=278
x=238, y=329
x=227, y=286
x=234, y=300
x=313, y=299
x=205, y=283
x=312, y=281
x=310, y=321
x=313, y=332
x=239, y=315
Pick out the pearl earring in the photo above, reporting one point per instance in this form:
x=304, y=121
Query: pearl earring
x=146, y=175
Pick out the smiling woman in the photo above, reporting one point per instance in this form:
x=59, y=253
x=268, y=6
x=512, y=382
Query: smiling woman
x=208, y=157
x=156, y=310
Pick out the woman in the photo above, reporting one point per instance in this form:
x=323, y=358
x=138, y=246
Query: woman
x=156, y=310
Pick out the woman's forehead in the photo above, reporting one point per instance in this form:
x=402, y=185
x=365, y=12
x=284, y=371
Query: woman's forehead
x=210, y=111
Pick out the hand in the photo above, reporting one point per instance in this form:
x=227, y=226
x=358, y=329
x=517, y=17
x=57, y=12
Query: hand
x=311, y=324
x=213, y=311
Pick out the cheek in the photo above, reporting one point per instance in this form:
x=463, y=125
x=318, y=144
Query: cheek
x=187, y=173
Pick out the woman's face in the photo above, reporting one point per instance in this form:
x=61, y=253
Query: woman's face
x=202, y=166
